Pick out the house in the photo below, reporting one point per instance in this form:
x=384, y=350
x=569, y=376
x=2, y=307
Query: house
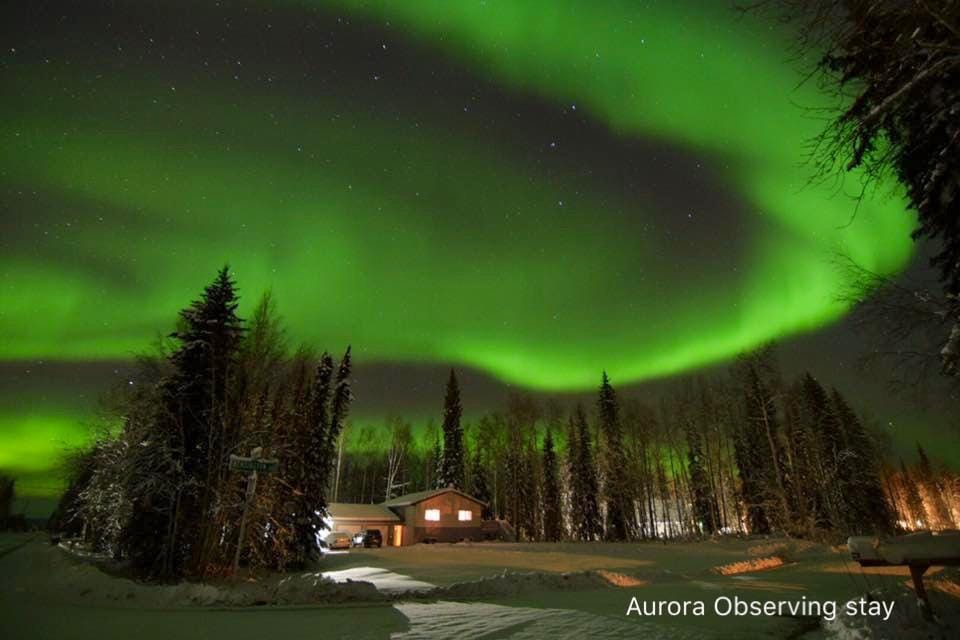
x=441, y=515
x=353, y=518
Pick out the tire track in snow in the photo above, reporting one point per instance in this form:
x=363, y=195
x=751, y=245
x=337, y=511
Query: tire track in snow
x=480, y=620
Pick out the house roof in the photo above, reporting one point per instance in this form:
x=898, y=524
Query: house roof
x=420, y=496
x=349, y=511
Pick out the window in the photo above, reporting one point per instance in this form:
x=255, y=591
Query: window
x=432, y=515
x=464, y=515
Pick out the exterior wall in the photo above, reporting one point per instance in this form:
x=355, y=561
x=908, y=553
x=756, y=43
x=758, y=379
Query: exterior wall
x=352, y=529
x=414, y=526
x=408, y=515
x=448, y=528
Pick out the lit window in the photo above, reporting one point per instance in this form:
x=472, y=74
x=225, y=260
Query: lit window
x=432, y=514
x=464, y=515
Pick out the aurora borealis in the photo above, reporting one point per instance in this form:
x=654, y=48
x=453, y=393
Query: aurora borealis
x=536, y=190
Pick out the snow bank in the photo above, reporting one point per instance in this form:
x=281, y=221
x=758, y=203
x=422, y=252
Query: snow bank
x=768, y=555
x=86, y=583
x=315, y=588
x=783, y=548
x=749, y=566
x=906, y=622
x=620, y=579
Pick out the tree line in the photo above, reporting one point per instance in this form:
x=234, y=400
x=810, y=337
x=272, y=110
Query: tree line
x=744, y=452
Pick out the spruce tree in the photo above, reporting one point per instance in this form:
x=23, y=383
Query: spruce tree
x=307, y=465
x=329, y=404
x=704, y=505
x=552, y=514
x=339, y=408
x=181, y=456
x=763, y=433
x=585, y=510
x=865, y=505
x=749, y=456
x=806, y=499
x=827, y=447
x=436, y=465
x=529, y=495
x=515, y=489
x=616, y=488
x=452, y=467
x=521, y=467
x=572, y=459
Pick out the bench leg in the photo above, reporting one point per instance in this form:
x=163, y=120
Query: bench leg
x=916, y=572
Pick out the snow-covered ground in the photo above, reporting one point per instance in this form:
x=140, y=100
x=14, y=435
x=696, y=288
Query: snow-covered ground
x=466, y=591
x=475, y=620
x=383, y=580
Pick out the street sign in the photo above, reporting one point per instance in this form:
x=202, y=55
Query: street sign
x=253, y=464
x=246, y=463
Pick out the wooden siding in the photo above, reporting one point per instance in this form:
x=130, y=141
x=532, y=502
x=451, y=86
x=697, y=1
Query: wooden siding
x=449, y=528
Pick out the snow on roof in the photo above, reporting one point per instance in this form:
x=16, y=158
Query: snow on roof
x=350, y=511
x=420, y=496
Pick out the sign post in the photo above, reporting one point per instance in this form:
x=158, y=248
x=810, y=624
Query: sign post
x=251, y=464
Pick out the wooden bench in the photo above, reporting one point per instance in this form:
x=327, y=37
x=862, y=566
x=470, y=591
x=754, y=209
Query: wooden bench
x=918, y=551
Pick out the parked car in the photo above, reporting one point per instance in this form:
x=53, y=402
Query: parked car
x=338, y=540
x=368, y=538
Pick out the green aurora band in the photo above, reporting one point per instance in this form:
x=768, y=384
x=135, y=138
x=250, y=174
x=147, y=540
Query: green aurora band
x=415, y=244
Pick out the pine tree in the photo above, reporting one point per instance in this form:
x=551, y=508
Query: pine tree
x=585, y=511
x=452, y=466
x=552, y=515
x=616, y=489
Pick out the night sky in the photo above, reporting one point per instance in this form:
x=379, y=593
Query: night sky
x=529, y=191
